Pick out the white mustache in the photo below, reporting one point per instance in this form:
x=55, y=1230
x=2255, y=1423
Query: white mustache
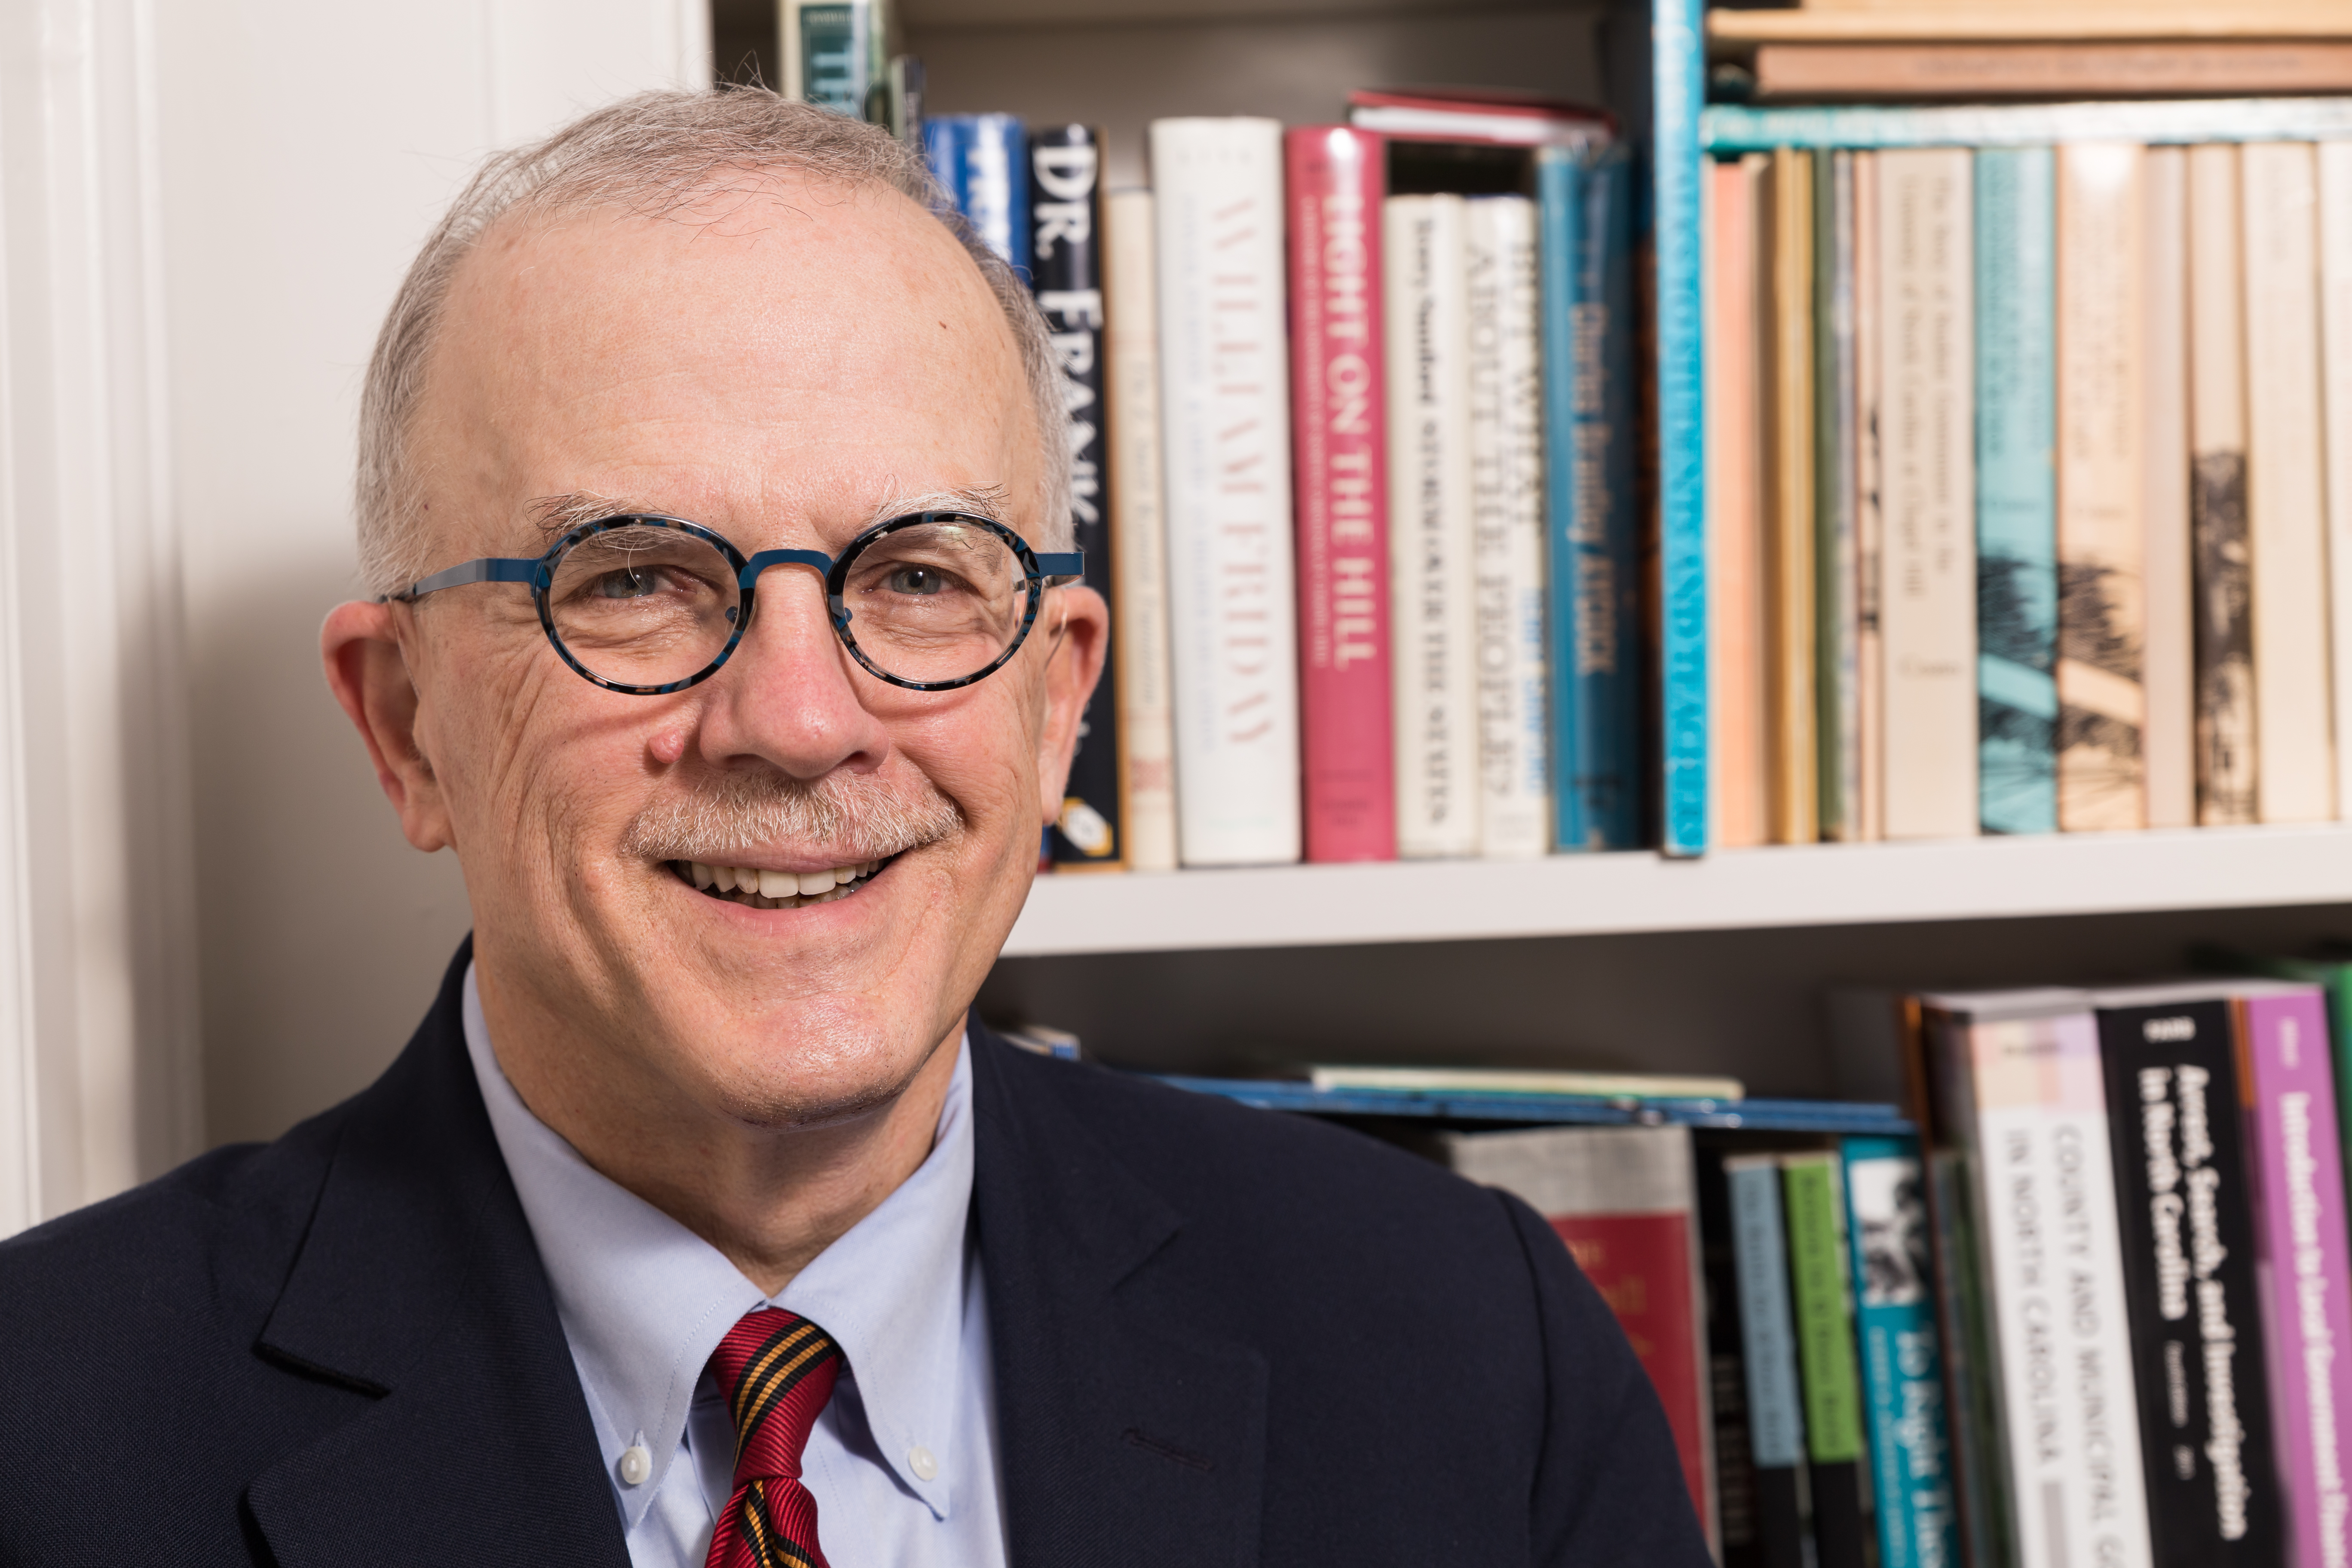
x=735, y=814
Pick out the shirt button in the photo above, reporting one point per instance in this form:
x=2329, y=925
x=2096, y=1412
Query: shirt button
x=637, y=1464
x=920, y=1460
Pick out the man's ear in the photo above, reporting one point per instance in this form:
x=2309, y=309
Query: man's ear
x=359, y=645
x=1079, y=621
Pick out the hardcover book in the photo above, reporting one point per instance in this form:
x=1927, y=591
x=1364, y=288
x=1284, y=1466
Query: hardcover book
x=1739, y=1530
x=1791, y=679
x=1836, y=622
x=2168, y=738
x=1067, y=271
x=1735, y=597
x=1339, y=437
x=1901, y=1359
x=1226, y=419
x=982, y=162
x=1869, y=771
x=1813, y=1202
x=1776, y=1416
x=836, y=50
x=2226, y=758
x=2335, y=368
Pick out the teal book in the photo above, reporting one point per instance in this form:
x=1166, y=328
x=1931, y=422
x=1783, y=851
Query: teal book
x=1902, y=1363
x=1768, y=1329
x=1584, y=204
x=1677, y=85
x=2017, y=490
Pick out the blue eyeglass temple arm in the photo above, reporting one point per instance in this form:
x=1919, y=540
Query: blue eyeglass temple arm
x=1053, y=564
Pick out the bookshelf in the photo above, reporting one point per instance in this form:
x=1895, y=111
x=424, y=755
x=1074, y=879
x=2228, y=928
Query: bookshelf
x=1711, y=962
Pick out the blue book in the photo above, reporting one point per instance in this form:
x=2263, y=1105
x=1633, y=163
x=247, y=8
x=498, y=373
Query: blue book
x=982, y=162
x=1677, y=92
x=2017, y=490
x=1902, y=1369
x=1768, y=1335
x=1585, y=203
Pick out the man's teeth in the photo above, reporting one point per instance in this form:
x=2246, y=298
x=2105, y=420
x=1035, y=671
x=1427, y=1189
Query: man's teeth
x=776, y=889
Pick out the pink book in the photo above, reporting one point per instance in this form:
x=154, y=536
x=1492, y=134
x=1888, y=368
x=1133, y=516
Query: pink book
x=2302, y=1270
x=1336, y=178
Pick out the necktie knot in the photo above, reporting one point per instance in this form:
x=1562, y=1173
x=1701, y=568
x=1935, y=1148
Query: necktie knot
x=775, y=1369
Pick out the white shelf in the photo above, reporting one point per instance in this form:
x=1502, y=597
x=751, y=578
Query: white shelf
x=1577, y=895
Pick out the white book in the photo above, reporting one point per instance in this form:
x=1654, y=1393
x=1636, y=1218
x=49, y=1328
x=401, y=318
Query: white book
x=1139, y=527
x=1225, y=424
x=1926, y=475
x=2168, y=738
x=1507, y=477
x=1868, y=812
x=1431, y=542
x=2020, y=1083
x=2223, y=649
x=2336, y=359
x=2285, y=499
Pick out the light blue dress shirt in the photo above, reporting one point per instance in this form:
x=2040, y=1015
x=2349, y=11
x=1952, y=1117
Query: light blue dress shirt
x=903, y=1459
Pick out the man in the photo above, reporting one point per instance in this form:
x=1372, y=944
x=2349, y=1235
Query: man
x=713, y=493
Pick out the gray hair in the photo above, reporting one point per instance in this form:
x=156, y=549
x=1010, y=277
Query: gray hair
x=651, y=155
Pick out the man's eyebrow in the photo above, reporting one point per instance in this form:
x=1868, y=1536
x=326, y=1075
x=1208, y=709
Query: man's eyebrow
x=979, y=500
x=555, y=516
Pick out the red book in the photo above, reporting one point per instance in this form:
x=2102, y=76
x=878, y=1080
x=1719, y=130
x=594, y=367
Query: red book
x=1336, y=178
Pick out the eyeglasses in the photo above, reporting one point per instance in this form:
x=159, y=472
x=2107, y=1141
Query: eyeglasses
x=646, y=604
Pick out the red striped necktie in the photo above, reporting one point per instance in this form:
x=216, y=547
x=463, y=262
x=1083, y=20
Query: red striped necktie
x=776, y=1370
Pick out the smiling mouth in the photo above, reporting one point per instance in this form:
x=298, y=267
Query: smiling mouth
x=757, y=889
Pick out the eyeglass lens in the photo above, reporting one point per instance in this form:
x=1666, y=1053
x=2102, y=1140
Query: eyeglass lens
x=927, y=602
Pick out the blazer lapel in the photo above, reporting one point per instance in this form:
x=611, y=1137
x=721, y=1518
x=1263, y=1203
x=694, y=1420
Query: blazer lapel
x=1124, y=1437
x=418, y=1281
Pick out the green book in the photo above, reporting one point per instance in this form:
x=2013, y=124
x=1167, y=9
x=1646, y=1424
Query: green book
x=1812, y=1193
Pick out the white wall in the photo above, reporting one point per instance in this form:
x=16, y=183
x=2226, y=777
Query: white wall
x=306, y=147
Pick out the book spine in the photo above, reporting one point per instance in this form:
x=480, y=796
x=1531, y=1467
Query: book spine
x=1927, y=570
x=2054, y=1279
x=1431, y=545
x=1735, y=598
x=1788, y=484
x=2017, y=504
x=1814, y=1206
x=2186, y=1214
x=1902, y=1367
x=2335, y=363
x=1738, y=1544
x=2168, y=738
x=1138, y=537
x=1065, y=251
x=1226, y=419
x=1769, y=1339
x=1837, y=699
x=2299, y=1221
x=1340, y=423
x=2286, y=501
x=1597, y=693
x=1677, y=89
x=982, y=162
x=2226, y=757
x=1869, y=518
x=1507, y=509
x=834, y=51
x=2101, y=523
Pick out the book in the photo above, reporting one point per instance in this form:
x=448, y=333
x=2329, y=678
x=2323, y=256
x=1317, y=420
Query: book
x=1927, y=622
x=2298, y=1185
x=1471, y=114
x=1869, y=516
x=1225, y=421
x=2331, y=970
x=1791, y=682
x=1434, y=623
x=1585, y=208
x=2018, y=1096
x=1812, y=1202
x=2335, y=179
x=1837, y=709
x=1065, y=250
x=1738, y=1528
x=2017, y=493
x=2219, y=544
x=1625, y=1199
x=2207, y=68
x=835, y=51
x=1139, y=535
x=1900, y=1358
x=2168, y=738
x=982, y=162
x=1735, y=598
x=1340, y=428
x=1506, y=508
x=1776, y=1416
x=1513, y=1081
x=2101, y=524
x=2185, y=1207
x=2286, y=487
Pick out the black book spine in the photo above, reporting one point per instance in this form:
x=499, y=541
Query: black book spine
x=1735, y=1500
x=2176, y=1129
x=1066, y=270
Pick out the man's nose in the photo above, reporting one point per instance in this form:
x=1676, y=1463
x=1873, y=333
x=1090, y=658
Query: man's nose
x=790, y=693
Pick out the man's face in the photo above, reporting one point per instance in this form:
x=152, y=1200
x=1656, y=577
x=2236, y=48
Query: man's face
x=786, y=368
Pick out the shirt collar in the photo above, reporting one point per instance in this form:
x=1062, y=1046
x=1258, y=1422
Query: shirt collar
x=645, y=1301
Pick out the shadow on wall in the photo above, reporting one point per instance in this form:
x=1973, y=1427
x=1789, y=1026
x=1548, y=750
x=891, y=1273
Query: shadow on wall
x=322, y=933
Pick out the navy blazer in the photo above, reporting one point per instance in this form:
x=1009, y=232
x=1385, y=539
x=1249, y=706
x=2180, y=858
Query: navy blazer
x=1221, y=1336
